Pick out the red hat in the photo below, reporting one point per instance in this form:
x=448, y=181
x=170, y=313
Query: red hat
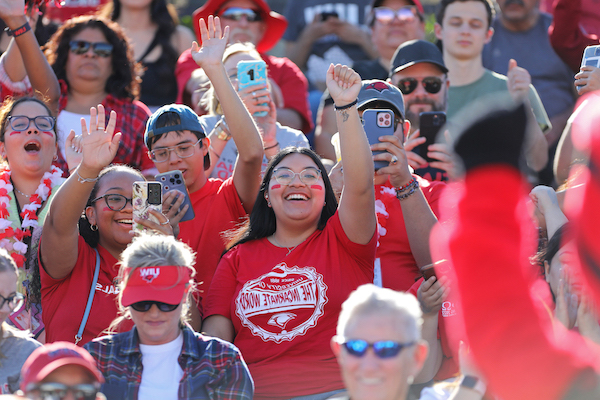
x=157, y=283
x=275, y=22
x=48, y=358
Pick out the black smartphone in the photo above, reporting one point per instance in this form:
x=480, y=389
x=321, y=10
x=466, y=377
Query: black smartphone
x=430, y=124
x=328, y=14
x=174, y=180
x=378, y=122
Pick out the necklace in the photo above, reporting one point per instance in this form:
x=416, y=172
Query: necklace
x=11, y=234
x=289, y=249
x=21, y=193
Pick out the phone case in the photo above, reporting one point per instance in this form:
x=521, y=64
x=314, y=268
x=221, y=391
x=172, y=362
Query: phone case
x=378, y=123
x=251, y=73
x=174, y=180
x=430, y=124
x=146, y=196
x=591, y=56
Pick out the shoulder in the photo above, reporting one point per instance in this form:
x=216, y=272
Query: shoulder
x=287, y=137
x=183, y=38
x=16, y=338
x=109, y=344
x=216, y=349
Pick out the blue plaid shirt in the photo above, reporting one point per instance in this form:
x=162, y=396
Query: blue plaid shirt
x=212, y=368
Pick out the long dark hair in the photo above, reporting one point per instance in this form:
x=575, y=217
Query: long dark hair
x=262, y=222
x=124, y=81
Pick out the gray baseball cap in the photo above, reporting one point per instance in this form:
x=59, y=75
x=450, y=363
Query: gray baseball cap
x=375, y=90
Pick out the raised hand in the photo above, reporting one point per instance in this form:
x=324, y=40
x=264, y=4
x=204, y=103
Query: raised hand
x=343, y=84
x=73, y=150
x=99, y=145
x=210, y=54
x=518, y=81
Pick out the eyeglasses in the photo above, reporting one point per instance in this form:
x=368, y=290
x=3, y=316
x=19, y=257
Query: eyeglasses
x=285, y=176
x=101, y=49
x=386, y=15
x=58, y=391
x=236, y=14
x=382, y=349
x=431, y=84
x=144, y=306
x=114, y=201
x=183, y=150
x=14, y=302
x=21, y=123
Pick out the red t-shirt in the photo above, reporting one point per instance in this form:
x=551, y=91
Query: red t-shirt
x=398, y=267
x=64, y=300
x=284, y=72
x=217, y=208
x=284, y=307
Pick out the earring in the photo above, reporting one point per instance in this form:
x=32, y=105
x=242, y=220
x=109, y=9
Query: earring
x=94, y=227
x=55, y=158
x=268, y=202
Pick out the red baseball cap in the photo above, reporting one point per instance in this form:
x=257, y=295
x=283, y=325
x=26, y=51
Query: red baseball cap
x=165, y=283
x=276, y=23
x=48, y=358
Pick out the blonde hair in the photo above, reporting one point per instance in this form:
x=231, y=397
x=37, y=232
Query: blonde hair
x=7, y=264
x=150, y=250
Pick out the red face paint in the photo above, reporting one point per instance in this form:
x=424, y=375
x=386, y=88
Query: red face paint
x=49, y=133
x=316, y=187
x=106, y=209
x=14, y=133
x=276, y=186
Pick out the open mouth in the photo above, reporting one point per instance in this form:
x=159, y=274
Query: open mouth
x=296, y=197
x=125, y=221
x=32, y=147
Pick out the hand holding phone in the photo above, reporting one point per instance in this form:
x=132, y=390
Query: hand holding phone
x=430, y=124
x=146, y=196
x=173, y=180
x=252, y=73
x=378, y=122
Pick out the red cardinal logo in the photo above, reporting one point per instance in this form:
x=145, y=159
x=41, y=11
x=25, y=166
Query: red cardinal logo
x=149, y=274
x=379, y=86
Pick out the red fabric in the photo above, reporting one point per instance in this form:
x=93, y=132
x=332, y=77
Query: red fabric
x=284, y=308
x=449, y=367
x=399, y=269
x=64, y=300
x=72, y=8
x=285, y=73
x=218, y=208
x=131, y=122
x=519, y=352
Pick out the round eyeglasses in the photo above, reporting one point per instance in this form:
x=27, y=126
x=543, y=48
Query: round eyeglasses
x=114, y=201
x=285, y=176
x=21, y=123
x=14, y=301
x=183, y=150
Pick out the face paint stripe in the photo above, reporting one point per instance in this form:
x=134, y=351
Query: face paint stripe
x=106, y=209
x=276, y=186
x=316, y=187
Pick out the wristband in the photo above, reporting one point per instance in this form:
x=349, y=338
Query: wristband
x=81, y=179
x=19, y=31
x=271, y=147
x=222, y=130
x=339, y=108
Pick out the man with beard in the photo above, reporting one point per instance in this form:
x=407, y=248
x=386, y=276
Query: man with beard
x=419, y=71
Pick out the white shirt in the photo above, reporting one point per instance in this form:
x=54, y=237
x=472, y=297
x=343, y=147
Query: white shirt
x=161, y=372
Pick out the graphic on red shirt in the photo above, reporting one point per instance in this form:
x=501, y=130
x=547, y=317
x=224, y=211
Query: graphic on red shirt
x=283, y=303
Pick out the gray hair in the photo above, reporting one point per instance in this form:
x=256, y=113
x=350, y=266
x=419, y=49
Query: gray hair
x=370, y=299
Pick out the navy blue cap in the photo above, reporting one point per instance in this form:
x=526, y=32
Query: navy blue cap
x=375, y=90
x=189, y=120
x=415, y=52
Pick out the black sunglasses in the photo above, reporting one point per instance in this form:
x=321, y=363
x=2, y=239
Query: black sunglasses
x=236, y=14
x=431, y=84
x=144, y=306
x=58, y=391
x=101, y=49
x=382, y=349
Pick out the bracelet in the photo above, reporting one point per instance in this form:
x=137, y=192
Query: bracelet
x=19, y=31
x=214, y=151
x=339, y=108
x=271, y=147
x=73, y=168
x=222, y=130
x=403, y=188
x=408, y=191
x=81, y=179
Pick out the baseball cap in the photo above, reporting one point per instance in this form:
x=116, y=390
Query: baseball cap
x=189, y=120
x=375, y=90
x=49, y=357
x=415, y=52
x=417, y=3
x=165, y=283
x=275, y=23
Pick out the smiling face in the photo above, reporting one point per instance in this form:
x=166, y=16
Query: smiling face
x=8, y=287
x=297, y=202
x=388, y=36
x=88, y=66
x=30, y=151
x=156, y=327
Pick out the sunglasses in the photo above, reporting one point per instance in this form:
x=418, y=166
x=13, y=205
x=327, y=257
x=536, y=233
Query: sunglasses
x=382, y=349
x=386, y=15
x=20, y=123
x=144, y=306
x=431, y=84
x=236, y=14
x=14, y=302
x=58, y=391
x=114, y=201
x=100, y=49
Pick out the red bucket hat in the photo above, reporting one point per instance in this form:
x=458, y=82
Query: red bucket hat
x=275, y=22
x=157, y=283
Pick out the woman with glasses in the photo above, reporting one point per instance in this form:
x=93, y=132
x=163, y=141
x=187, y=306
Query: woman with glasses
x=15, y=345
x=93, y=61
x=162, y=357
x=86, y=229
x=278, y=290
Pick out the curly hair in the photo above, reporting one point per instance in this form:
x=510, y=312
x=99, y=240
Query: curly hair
x=124, y=82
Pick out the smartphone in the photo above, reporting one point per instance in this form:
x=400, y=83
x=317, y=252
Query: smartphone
x=174, y=180
x=429, y=270
x=591, y=58
x=430, y=124
x=378, y=122
x=324, y=16
x=146, y=196
x=252, y=73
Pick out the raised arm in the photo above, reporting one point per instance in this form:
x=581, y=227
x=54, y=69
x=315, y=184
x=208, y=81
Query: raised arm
x=24, y=57
x=99, y=147
x=246, y=174
x=357, y=204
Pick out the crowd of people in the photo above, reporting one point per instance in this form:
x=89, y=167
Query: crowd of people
x=314, y=239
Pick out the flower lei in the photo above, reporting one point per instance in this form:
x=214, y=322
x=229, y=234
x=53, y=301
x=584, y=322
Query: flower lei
x=11, y=238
